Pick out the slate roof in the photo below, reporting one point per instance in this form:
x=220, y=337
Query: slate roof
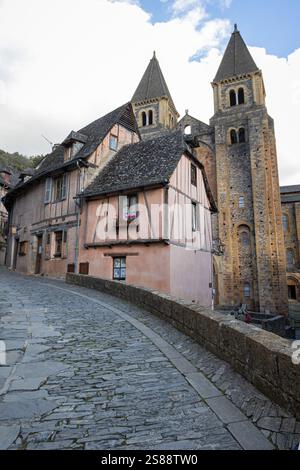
x=144, y=164
x=94, y=132
x=290, y=189
x=153, y=84
x=290, y=194
x=237, y=59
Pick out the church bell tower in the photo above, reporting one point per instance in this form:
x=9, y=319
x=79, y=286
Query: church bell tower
x=253, y=268
x=153, y=105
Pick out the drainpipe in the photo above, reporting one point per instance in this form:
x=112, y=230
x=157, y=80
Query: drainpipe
x=78, y=222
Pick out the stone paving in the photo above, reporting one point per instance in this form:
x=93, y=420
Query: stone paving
x=88, y=371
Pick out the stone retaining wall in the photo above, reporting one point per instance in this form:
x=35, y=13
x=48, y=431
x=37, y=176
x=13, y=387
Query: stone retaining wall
x=263, y=358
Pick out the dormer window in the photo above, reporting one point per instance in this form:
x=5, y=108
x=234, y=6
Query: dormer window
x=75, y=148
x=113, y=142
x=73, y=144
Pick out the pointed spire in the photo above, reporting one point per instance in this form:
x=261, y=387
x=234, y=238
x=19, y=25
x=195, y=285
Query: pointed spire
x=237, y=59
x=153, y=84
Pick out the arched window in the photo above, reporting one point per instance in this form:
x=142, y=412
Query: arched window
x=232, y=95
x=150, y=117
x=242, y=135
x=285, y=222
x=187, y=130
x=233, y=137
x=244, y=236
x=241, y=96
x=245, y=239
x=290, y=258
x=247, y=290
x=144, y=118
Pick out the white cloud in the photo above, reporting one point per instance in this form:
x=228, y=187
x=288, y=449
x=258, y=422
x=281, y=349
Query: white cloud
x=64, y=64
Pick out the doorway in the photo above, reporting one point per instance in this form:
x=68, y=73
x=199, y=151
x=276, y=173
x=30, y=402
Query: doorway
x=39, y=252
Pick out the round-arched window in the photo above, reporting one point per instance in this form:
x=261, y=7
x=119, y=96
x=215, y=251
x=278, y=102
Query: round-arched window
x=144, y=119
x=150, y=117
x=232, y=96
x=241, y=96
x=233, y=137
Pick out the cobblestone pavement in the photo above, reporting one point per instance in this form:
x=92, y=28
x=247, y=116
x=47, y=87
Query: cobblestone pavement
x=88, y=371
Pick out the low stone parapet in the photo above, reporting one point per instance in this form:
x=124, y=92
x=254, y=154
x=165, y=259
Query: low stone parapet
x=263, y=358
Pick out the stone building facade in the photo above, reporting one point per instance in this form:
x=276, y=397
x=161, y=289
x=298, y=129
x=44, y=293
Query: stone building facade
x=238, y=151
x=290, y=200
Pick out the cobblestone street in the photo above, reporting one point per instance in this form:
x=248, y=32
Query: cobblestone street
x=88, y=371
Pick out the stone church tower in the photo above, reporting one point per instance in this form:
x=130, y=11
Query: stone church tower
x=238, y=151
x=253, y=267
x=152, y=103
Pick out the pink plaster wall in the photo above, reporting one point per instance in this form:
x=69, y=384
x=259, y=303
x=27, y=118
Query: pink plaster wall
x=191, y=275
x=147, y=266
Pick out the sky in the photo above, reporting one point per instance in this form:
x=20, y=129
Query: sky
x=65, y=63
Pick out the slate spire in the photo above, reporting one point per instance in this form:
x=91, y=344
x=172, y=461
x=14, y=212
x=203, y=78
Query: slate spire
x=237, y=59
x=153, y=84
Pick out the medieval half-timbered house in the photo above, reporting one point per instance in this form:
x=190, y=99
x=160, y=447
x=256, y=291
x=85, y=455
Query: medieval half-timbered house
x=147, y=220
x=44, y=214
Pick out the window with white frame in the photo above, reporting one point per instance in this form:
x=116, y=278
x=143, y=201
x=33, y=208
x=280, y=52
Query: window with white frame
x=48, y=190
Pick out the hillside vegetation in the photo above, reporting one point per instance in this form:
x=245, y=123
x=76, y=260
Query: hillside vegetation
x=18, y=162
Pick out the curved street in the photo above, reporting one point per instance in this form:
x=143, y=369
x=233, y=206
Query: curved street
x=88, y=371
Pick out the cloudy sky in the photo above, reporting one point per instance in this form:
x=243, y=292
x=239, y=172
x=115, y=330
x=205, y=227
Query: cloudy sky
x=64, y=63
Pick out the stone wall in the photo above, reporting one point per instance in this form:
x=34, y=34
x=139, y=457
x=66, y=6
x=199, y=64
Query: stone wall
x=263, y=358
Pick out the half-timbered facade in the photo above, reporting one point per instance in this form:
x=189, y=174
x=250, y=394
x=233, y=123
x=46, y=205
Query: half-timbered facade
x=147, y=220
x=45, y=215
